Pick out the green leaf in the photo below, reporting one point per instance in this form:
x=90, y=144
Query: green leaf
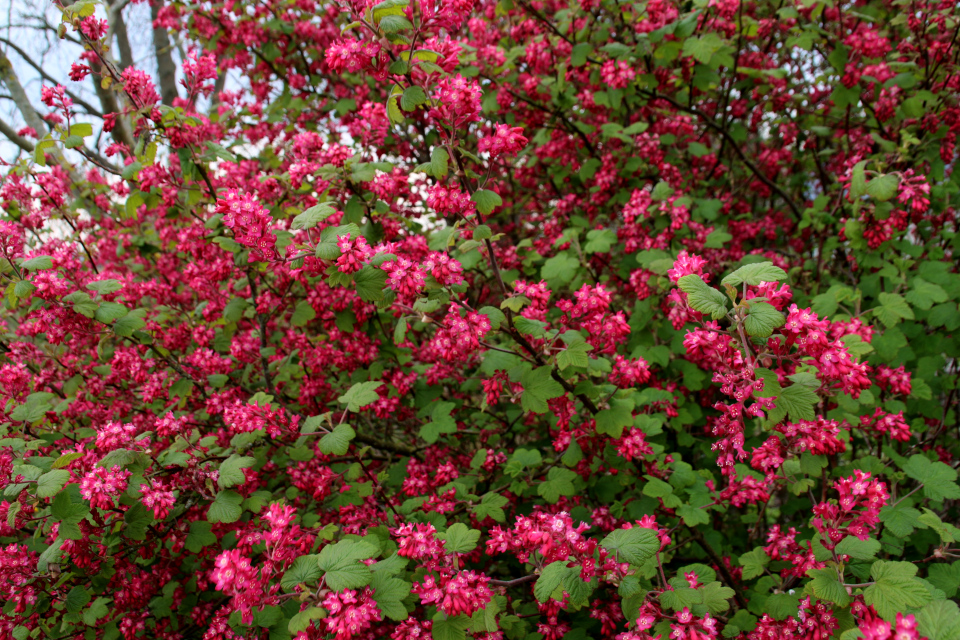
x=231, y=471
x=24, y=289
x=715, y=597
x=412, y=97
x=337, y=442
x=938, y=478
x=447, y=628
x=680, y=598
x=225, y=507
x=947, y=532
x=612, y=421
x=389, y=593
x=200, y=536
x=131, y=171
x=50, y=483
x=496, y=316
x=370, y=282
x=945, y=577
x=693, y=516
x=923, y=294
x=81, y=129
x=600, y=241
x=77, y=599
x=702, y=49
x=900, y=519
x=37, y=263
x=441, y=422
x=636, y=545
x=559, y=482
x=393, y=110
x=491, y=506
x=66, y=459
x=762, y=318
x=313, y=216
x=782, y=605
x=400, y=331
x=656, y=488
x=360, y=395
x=858, y=179
x=133, y=321
x=393, y=24
x=575, y=355
x=883, y=187
x=303, y=314
x=107, y=312
x=826, y=585
x=68, y=506
x=302, y=620
x=940, y=620
x=103, y=287
x=538, y=387
x=341, y=565
x=581, y=51
x=753, y=563
x=754, y=274
x=703, y=297
x=550, y=579
x=461, y=539
x=439, y=162
x=96, y=611
x=304, y=570
x=858, y=549
x=892, y=309
x=798, y=401
x=486, y=201
x=895, y=589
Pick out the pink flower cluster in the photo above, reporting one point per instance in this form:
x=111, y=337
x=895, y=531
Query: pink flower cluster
x=458, y=102
x=784, y=546
x=243, y=418
x=506, y=141
x=350, y=613
x=355, y=253
x=896, y=381
x=17, y=567
x=814, y=620
x=465, y=592
x=234, y=575
x=819, y=437
x=858, y=511
x=450, y=201
x=250, y=223
x=811, y=336
x=886, y=424
x=905, y=628
x=405, y=277
x=419, y=542
x=100, y=486
x=351, y=55
x=604, y=331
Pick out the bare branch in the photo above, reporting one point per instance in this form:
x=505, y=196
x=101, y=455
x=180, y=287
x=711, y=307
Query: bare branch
x=43, y=74
x=12, y=136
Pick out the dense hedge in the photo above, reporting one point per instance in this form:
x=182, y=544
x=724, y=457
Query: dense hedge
x=520, y=319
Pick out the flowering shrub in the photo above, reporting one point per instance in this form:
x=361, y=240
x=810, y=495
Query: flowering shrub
x=491, y=319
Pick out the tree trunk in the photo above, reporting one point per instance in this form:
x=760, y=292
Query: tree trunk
x=165, y=66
